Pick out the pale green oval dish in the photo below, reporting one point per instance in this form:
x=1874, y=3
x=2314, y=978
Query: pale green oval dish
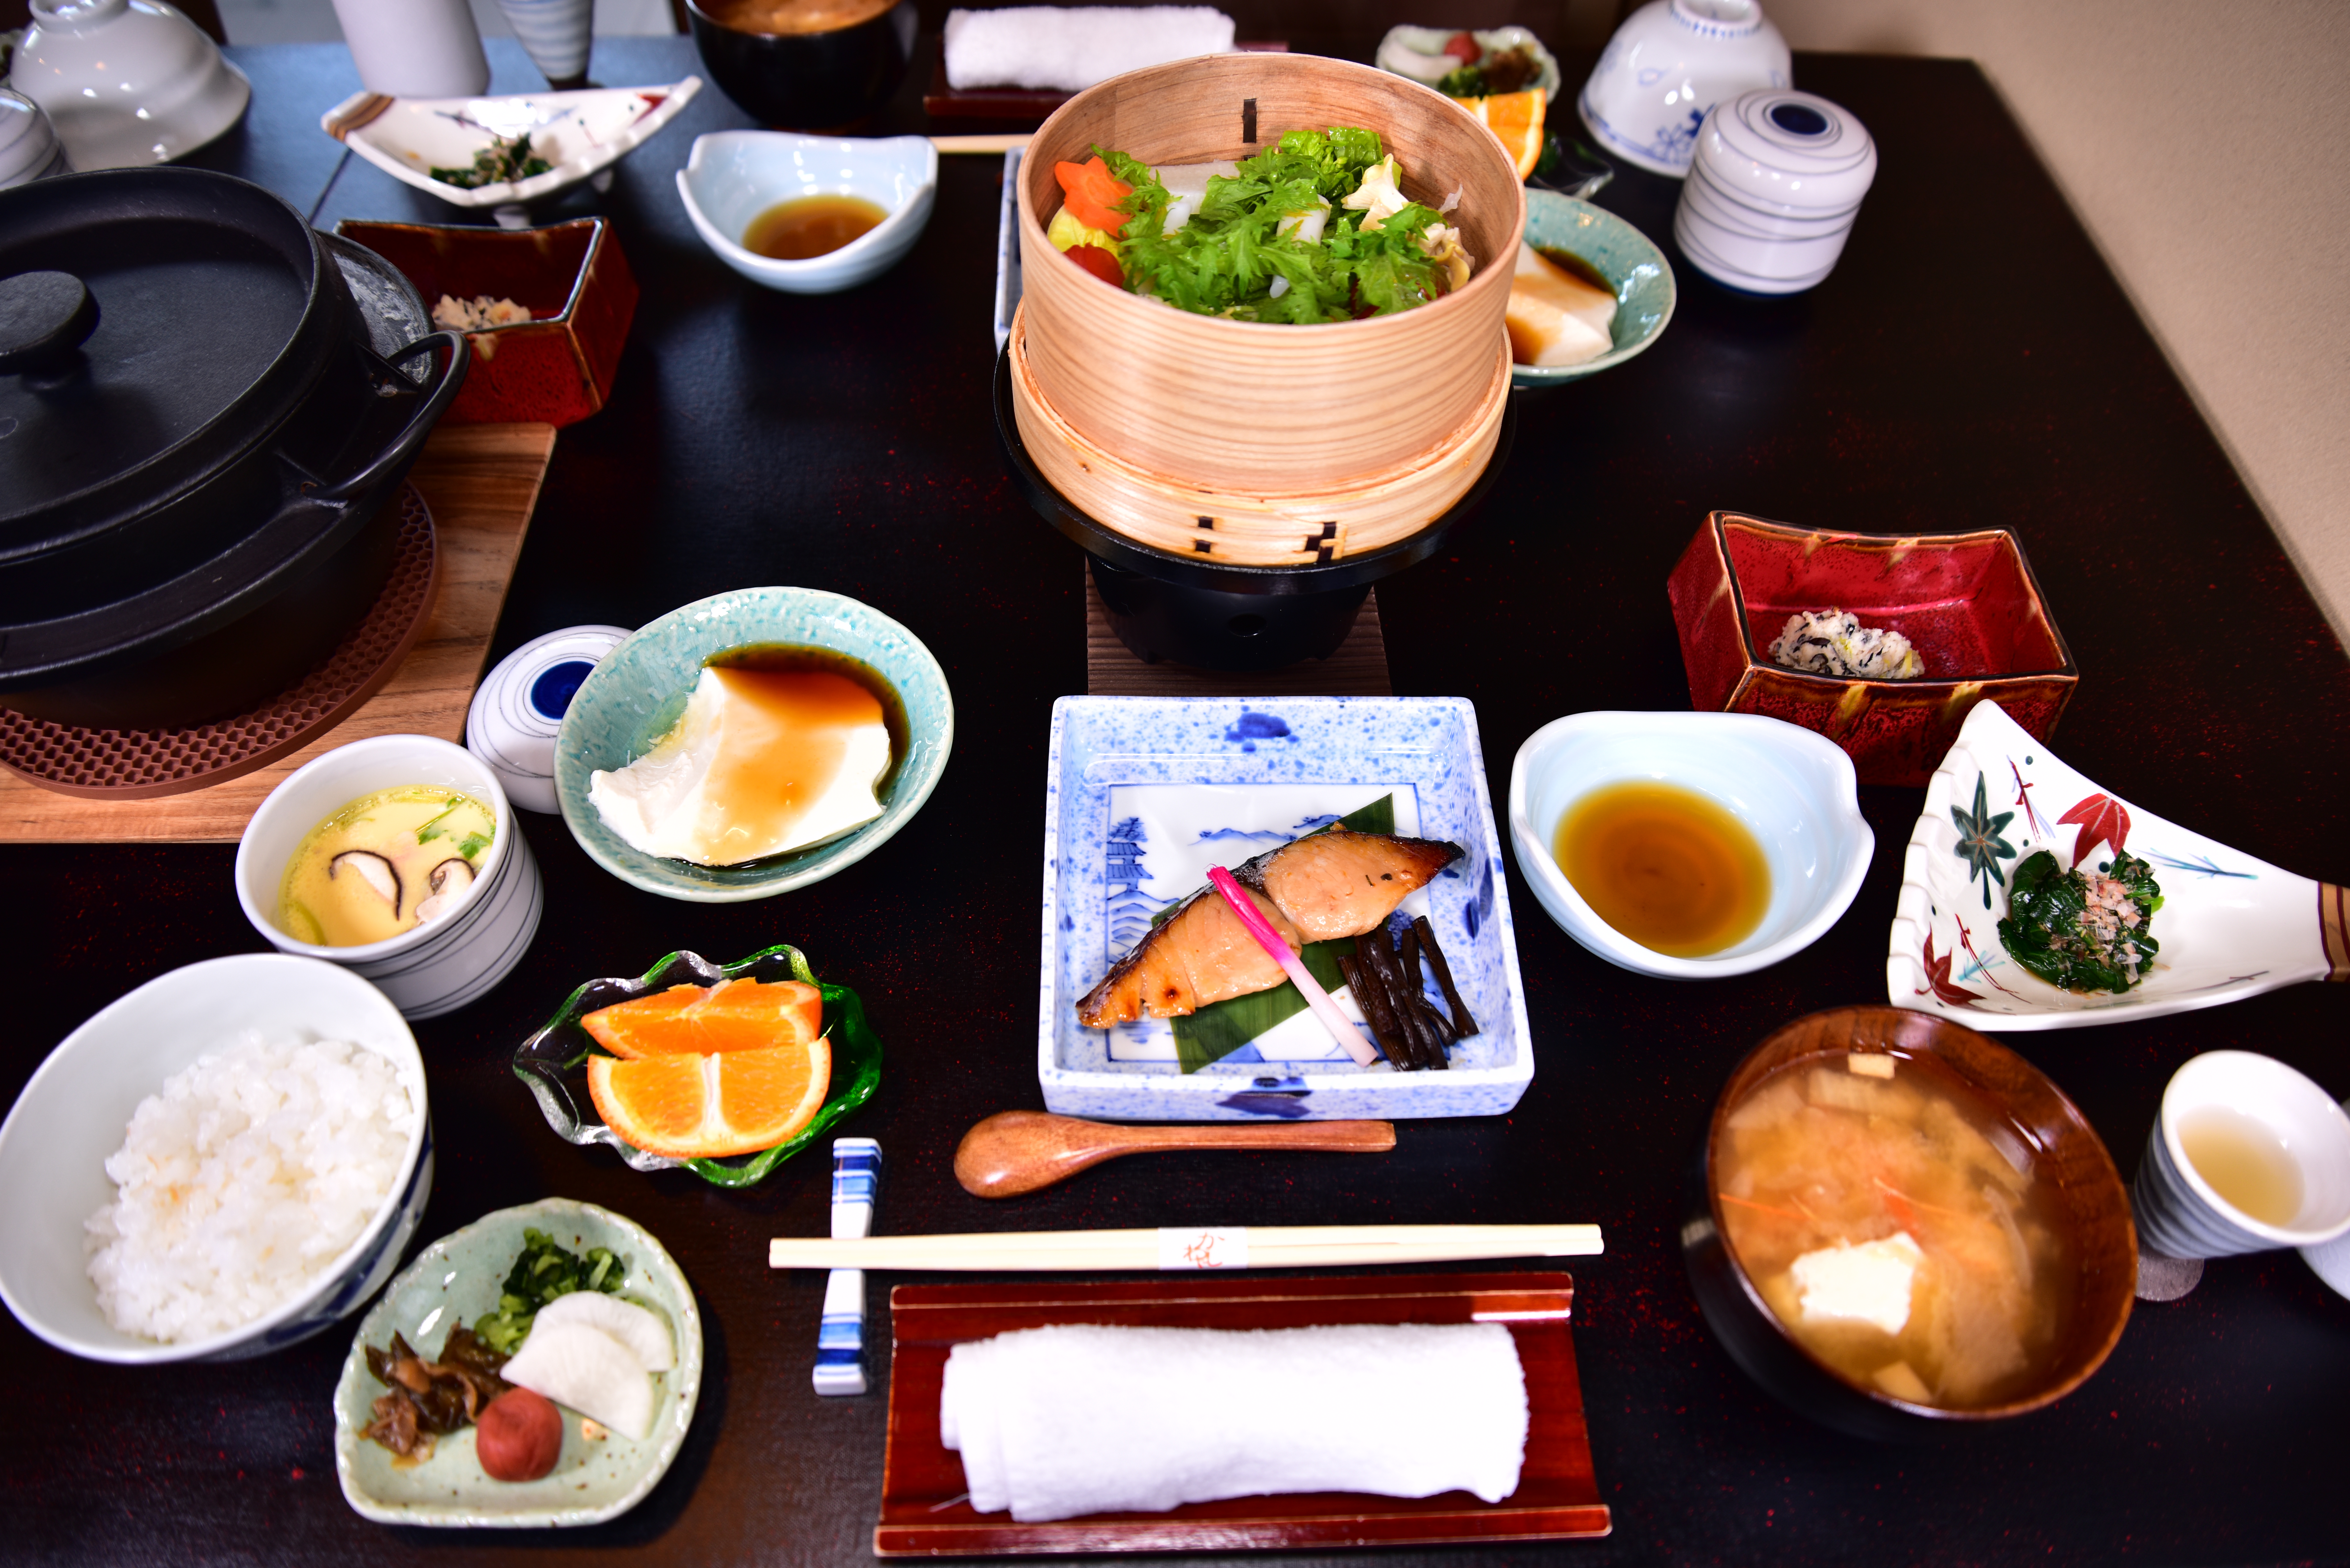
x=456, y=1279
x=638, y=690
x=1632, y=265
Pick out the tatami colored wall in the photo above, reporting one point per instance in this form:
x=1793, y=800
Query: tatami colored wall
x=2203, y=144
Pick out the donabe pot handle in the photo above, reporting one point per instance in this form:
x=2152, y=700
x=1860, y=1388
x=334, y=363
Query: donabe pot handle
x=404, y=447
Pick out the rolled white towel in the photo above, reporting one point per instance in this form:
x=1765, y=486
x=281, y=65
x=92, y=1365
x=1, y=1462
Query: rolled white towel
x=1070, y=48
x=1057, y=1422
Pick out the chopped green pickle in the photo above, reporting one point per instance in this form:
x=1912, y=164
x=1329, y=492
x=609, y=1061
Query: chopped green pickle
x=542, y=1271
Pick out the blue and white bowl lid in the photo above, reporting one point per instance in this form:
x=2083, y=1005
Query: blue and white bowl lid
x=519, y=706
x=1787, y=150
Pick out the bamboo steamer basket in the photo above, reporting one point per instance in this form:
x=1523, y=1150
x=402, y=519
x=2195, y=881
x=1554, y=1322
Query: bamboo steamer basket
x=1249, y=442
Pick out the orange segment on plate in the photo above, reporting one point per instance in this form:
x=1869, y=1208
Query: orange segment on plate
x=748, y=1015
x=733, y=1015
x=657, y=1103
x=1517, y=118
x=695, y=1106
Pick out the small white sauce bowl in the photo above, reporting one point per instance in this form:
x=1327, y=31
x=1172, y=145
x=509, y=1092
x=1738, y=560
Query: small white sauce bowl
x=1795, y=791
x=430, y=968
x=732, y=176
x=76, y=1109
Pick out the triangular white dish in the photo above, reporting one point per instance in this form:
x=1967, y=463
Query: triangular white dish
x=2230, y=926
x=580, y=133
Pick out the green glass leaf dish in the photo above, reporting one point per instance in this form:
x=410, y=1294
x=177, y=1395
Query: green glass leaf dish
x=554, y=1062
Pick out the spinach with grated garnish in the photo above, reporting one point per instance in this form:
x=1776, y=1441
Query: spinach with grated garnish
x=505, y=158
x=2051, y=929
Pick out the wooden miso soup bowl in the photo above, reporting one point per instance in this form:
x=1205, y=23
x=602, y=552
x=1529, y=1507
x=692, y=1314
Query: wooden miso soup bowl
x=2090, y=1203
x=1261, y=443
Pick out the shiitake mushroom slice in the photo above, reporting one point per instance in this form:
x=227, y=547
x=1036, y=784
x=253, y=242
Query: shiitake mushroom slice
x=448, y=882
x=372, y=869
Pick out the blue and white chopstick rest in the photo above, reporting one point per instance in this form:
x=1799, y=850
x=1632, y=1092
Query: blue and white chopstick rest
x=841, y=1341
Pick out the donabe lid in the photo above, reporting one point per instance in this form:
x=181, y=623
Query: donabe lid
x=1787, y=152
x=213, y=316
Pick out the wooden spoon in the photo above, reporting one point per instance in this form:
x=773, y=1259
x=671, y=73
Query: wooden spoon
x=1013, y=1152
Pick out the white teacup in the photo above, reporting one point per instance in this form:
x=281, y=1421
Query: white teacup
x=2247, y=1156
x=434, y=967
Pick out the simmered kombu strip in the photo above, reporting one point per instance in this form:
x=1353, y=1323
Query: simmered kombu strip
x=1378, y=965
x=1372, y=999
x=1463, y=1024
x=1408, y=957
x=1373, y=953
x=1419, y=1019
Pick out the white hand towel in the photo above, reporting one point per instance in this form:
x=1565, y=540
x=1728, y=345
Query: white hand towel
x=1072, y=48
x=1083, y=1419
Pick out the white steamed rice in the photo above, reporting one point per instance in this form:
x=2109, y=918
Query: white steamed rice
x=243, y=1181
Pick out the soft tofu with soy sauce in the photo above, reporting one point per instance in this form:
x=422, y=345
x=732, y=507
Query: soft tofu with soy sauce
x=1554, y=317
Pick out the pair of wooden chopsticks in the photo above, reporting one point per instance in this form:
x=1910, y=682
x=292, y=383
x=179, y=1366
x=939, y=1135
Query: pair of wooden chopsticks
x=1189, y=1247
x=980, y=143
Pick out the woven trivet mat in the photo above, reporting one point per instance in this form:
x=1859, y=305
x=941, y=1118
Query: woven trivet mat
x=140, y=765
x=482, y=484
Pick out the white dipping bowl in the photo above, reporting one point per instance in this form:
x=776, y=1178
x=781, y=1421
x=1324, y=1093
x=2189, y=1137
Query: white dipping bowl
x=432, y=969
x=732, y=176
x=1795, y=791
x=73, y=1114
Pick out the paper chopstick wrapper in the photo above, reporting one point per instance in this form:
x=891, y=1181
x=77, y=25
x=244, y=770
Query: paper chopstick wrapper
x=1191, y=1247
x=1074, y=1419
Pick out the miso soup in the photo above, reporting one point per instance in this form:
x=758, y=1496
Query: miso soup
x=1895, y=1224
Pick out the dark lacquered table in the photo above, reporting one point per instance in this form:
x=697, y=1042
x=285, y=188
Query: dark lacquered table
x=1971, y=363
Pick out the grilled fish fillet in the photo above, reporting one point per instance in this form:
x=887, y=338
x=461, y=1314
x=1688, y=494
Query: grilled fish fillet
x=1340, y=883
x=1331, y=885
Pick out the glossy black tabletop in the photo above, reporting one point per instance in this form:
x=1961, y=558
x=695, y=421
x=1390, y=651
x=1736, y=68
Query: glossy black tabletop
x=1971, y=363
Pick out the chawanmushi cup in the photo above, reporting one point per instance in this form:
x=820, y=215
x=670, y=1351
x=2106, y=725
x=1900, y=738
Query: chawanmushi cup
x=430, y=968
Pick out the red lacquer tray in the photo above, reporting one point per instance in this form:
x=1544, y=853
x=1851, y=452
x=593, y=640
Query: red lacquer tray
x=923, y=1512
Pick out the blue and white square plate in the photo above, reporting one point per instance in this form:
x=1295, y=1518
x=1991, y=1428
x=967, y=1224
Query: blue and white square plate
x=1144, y=794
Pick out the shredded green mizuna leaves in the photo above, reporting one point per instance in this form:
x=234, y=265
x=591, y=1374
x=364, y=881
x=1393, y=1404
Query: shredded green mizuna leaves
x=1224, y=261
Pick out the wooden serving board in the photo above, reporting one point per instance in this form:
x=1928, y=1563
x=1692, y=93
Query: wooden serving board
x=925, y=1510
x=481, y=482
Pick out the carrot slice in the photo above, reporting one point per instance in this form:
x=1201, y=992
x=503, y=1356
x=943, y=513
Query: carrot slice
x=1092, y=194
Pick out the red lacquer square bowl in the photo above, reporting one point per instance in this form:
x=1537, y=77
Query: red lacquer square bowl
x=1967, y=602
x=557, y=367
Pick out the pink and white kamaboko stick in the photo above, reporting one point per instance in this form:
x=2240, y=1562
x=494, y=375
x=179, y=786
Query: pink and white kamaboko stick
x=1349, y=1038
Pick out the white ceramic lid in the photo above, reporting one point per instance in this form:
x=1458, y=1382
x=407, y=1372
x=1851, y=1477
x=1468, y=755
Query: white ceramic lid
x=519, y=709
x=1788, y=150
x=28, y=147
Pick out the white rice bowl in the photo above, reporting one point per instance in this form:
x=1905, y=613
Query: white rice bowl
x=75, y=1114
x=241, y=1182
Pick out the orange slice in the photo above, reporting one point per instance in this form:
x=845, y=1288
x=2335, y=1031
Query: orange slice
x=747, y=1016
x=1517, y=118
x=733, y=1015
x=697, y=1106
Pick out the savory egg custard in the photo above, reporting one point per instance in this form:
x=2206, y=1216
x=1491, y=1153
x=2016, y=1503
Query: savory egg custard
x=384, y=863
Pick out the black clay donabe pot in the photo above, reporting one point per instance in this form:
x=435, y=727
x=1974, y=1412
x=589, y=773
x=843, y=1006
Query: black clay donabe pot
x=197, y=436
